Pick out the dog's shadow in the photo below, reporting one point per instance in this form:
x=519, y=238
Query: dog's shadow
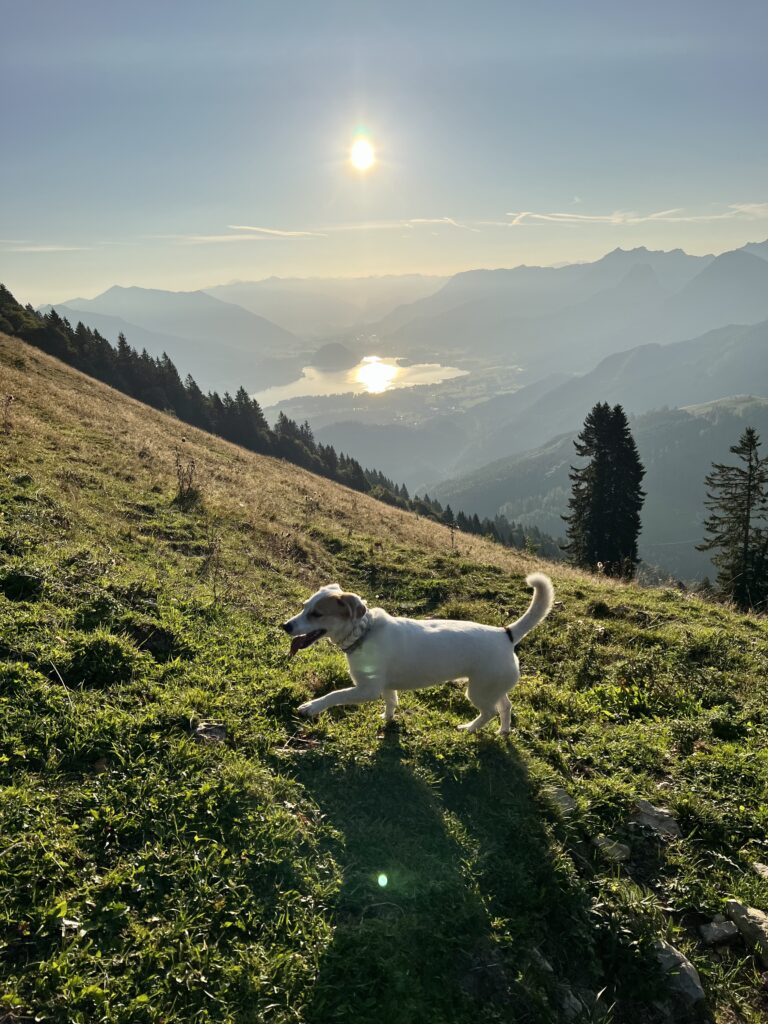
x=453, y=907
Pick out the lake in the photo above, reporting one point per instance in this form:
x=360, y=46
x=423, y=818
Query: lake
x=373, y=375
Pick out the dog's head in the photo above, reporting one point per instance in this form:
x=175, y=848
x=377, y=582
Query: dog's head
x=330, y=612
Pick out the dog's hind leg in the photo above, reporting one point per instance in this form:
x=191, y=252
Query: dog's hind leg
x=477, y=723
x=390, y=705
x=477, y=691
x=504, y=707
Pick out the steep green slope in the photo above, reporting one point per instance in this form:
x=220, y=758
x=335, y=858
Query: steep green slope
x=335, y=871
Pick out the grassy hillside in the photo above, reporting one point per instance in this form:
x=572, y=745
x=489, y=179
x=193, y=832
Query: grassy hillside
x=148, y=876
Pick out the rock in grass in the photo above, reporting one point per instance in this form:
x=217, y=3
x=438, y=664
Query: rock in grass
x=760, y=869
x=210, y=732
x=658, y=819
x=611, y=850
x=718, y=931
x=563, y=801
x=681, y=975
x=570, y=1006
x=753, y=925
x=541, y=961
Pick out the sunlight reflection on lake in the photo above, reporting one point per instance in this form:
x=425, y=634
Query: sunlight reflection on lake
x=373, y=375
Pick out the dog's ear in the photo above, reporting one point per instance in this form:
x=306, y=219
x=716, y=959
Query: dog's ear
x=332, y=586
x=354, y=606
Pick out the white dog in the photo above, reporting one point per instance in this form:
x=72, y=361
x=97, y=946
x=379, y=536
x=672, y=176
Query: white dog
x=387, y=654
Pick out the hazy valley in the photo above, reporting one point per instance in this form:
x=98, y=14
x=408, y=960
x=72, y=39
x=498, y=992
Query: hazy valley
x=436, y=382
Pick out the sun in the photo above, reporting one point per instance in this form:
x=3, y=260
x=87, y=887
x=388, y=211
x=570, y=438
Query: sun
x=362, y=156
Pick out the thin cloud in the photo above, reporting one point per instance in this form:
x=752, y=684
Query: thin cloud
x=253, y=233
x=368, y=225
x=278, y=233
x=399, y=225
x=442, y=220
x=676, y=215
x=250, y=236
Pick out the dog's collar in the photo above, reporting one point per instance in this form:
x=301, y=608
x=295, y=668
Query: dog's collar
x=356, y=635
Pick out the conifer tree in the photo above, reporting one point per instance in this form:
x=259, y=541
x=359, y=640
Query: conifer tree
x=737, y=525
x=606, y=497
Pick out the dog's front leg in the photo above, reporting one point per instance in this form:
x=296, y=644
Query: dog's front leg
x=352, y=695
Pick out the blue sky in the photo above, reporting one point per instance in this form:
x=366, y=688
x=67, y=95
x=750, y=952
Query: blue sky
x=181, y=144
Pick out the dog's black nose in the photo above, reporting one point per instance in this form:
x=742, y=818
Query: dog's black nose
x=286, y=626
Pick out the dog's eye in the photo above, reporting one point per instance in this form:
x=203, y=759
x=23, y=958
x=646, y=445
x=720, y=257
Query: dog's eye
x=315, y=615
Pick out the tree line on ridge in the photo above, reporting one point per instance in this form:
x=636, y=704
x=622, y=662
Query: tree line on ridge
x=237, y=418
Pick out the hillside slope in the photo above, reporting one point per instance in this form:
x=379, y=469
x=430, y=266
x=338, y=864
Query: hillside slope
x=334, y=871
x=677, y=448
x=729, y=361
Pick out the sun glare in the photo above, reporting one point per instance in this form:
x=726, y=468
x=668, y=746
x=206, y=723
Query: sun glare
x=375, y=376
x=362, y=156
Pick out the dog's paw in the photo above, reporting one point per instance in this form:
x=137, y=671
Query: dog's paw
x=307, y=710
x=467, y=727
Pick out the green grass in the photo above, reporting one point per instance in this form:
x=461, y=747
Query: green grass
x=147, y=877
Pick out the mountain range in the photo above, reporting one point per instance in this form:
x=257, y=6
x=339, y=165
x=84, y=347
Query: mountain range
x=219, y=343
x=676, y=446
x=319, y=307
x=567, y=318
x=252, y=333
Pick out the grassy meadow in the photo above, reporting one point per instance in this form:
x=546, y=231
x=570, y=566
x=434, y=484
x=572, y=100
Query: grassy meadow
x=337, y=871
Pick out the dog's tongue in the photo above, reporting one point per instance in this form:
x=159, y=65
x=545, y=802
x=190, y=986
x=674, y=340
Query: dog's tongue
x=298, y=643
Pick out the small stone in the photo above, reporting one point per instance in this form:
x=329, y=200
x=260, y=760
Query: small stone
x=753, y=925
x=570, y=1006
x=718, y=932
x=659, y=819
x=682, y=976
x=210, y=732
x=542, y=961
x=760, y=869
x=562, y=800
x=611, y=850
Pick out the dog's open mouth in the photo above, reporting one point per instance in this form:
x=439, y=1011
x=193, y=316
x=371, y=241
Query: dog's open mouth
x=298, y=643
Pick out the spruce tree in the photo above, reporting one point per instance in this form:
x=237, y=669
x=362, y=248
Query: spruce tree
x=737, y=525
x=606, y=497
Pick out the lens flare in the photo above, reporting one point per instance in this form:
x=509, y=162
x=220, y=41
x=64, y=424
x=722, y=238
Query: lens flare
x=362, y=155
x=382, y=880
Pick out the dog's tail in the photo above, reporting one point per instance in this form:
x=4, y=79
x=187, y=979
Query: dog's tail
x=538, y=609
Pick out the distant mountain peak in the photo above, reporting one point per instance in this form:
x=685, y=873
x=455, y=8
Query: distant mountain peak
x=641, y=273
x=638, y=252
x=736, y=257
